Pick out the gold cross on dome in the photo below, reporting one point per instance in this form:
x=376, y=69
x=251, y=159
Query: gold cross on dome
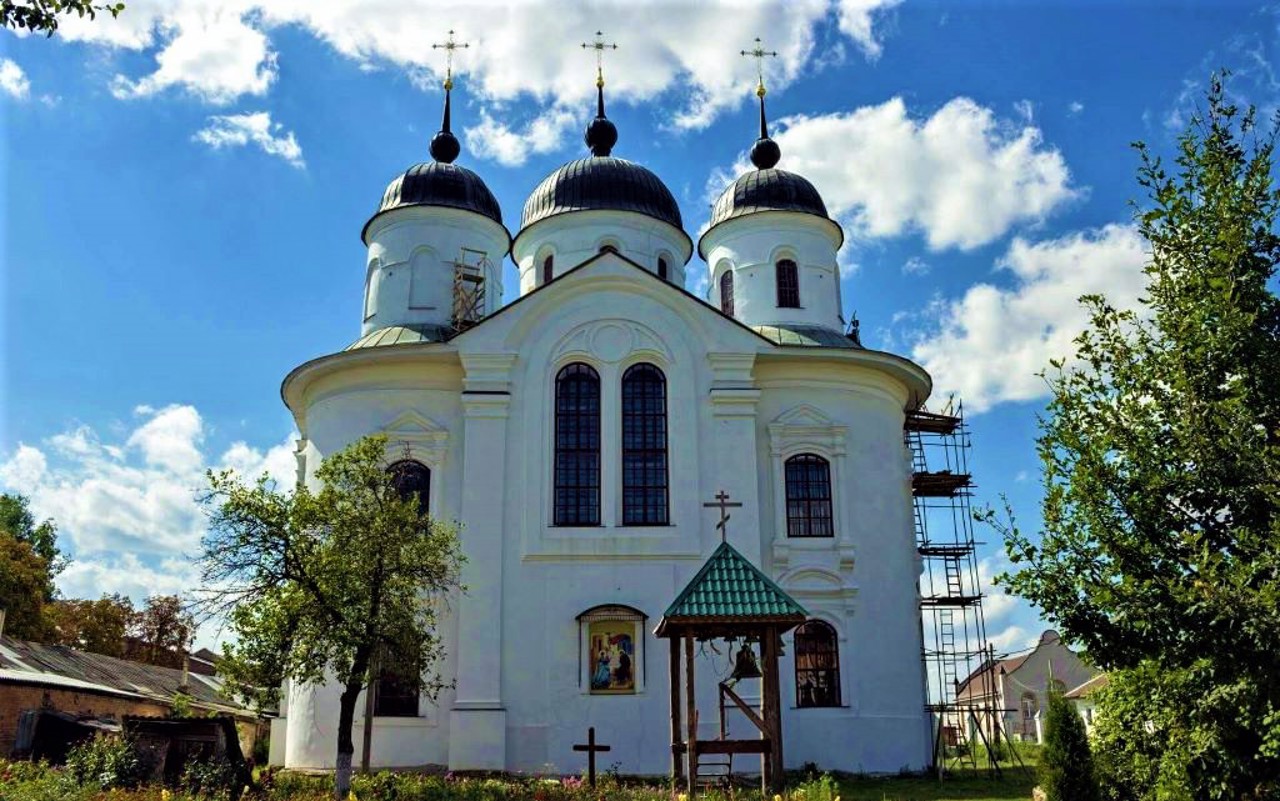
x=599, y=45
x=723, y=503
x=448, y=47
x=759, y=54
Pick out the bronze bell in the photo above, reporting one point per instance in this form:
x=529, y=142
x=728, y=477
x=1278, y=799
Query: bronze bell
x=744, y=666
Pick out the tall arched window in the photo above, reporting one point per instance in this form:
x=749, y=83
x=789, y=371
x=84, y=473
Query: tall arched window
x=548, y=264
x=644, y=446
x=395, y=694
x=817, y=665
x=577, y=461
x=726, y=292
x=788, y=284
x=808, y=496
x=662, y=269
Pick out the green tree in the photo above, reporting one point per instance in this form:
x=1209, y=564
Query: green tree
x=41, y=16
x=315, y=585
x=95, y=626
x=1161, y=468
x=17, y=521
x=161, y=632
x=1066, y=763
x=24, y=575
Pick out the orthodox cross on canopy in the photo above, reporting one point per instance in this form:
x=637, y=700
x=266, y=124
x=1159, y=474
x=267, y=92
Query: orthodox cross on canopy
x=723, y=503
x=759, y=54
x=448, y=47
x=599, y=46
x=591, y=748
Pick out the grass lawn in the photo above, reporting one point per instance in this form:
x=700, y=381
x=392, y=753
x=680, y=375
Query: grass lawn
x=1015, y=783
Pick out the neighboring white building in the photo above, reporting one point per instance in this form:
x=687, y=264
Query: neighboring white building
x=1021, y=687
x=1085, y=700
x=576, y=434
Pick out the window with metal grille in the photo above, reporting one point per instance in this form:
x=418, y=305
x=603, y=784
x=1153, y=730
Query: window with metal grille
x=817, y=665
x=788, y=284
x=726, y=292
x=547, y=264
x=577, y=457
x=808, y=496
x=396, y=691
x=662, y=269
x=411, y=478
x=644, y=446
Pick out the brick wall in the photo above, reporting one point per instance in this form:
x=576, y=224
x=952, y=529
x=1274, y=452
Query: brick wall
x=17, y=698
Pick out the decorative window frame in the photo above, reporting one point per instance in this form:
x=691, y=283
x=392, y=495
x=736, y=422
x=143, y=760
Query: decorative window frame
x=412, y=435
x=840, y=623
x=621, y=613
x=806, y=429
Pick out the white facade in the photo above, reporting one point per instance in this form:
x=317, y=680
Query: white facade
x=479, y=409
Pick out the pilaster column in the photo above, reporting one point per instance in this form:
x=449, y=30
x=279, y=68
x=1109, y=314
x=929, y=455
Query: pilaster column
x=478, y=720
x=734, y=398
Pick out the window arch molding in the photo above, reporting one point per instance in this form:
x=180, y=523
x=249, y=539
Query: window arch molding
x=807, y=429
x=608, y=244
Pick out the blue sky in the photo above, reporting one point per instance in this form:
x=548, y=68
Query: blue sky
x=184, y=190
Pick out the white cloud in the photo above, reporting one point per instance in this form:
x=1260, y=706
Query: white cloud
x=1012, y=639
x=137, y=496
x=239, y=130
x=491, y=139
x=915, y=266
x=989, y=344
x=220, y=50
x=13, y=81
x=1075, y=108
x=856, y=18
x=996, y=603
x=961, y=177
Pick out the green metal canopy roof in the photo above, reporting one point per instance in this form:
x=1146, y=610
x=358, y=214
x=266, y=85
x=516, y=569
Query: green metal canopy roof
x=729, y=589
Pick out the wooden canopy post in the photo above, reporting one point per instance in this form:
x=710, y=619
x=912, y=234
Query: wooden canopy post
x=677, y=738
x=772, y=709
x=691, y=704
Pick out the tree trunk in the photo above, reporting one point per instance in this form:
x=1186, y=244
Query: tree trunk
x=346, y=748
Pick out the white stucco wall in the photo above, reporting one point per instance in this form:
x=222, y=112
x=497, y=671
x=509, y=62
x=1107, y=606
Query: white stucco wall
x=574, y=237
x=751, y=246
x=409, y=266
x=478, y=412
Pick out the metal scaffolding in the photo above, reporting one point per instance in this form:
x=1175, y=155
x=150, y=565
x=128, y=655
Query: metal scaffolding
x=953, y=631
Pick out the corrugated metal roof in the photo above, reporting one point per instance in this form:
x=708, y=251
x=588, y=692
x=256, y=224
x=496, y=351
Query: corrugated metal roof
x=812, y=336
x=601, y=182
x=402, y=335
x=435, y=183
x=729, y=586
x=56, y=665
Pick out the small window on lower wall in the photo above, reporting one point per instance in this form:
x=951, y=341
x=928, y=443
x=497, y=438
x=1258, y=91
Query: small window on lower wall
x=611, y=647
x=817, y=665
x=396, y=692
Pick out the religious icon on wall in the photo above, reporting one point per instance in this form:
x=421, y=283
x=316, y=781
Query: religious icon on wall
x=611, y=656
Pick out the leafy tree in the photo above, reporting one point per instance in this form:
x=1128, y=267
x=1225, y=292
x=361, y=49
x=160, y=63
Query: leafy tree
x=42, y=15
x=96, y=626
x=24, y=576
x=1066, y=763
x=1161, y=460
x=161, y=632
x=17, y=521
x=315, y=585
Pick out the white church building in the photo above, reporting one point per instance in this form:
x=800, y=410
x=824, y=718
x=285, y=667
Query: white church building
x=576, y=433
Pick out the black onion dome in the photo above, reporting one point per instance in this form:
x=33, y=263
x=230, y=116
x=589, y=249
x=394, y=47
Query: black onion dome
x=436, y=183
x=601, y=183
x=768, y=190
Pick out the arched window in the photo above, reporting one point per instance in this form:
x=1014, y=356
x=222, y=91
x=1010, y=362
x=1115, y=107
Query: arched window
x=644, y=446
x=662, y=269
x=726, y=292
x=817, y=665
x=411, y=477
x=577, y=461
x=547, y=266
x=808, y=496
x=395, y=694
x=608, y=247
x=372, y=283
x=788, y=284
